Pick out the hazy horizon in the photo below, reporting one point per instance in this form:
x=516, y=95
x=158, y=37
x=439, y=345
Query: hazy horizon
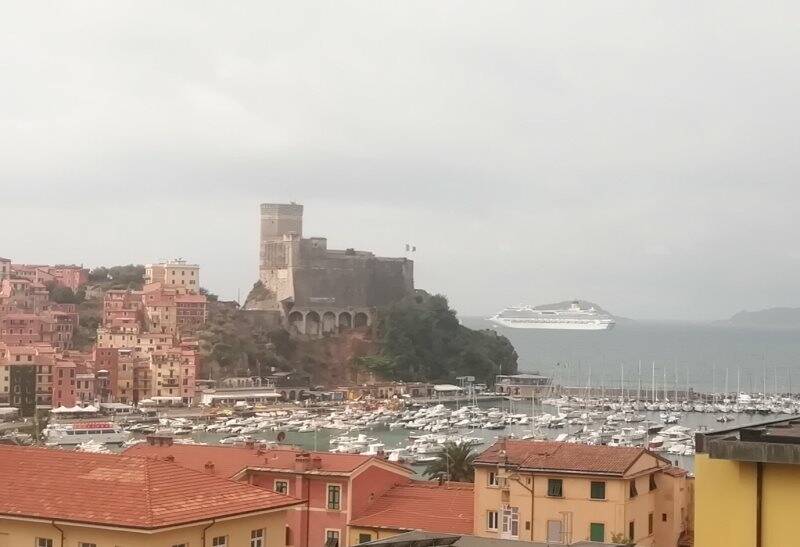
x=638, y=155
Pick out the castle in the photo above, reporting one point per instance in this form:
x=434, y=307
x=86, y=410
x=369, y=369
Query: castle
x=319, y=290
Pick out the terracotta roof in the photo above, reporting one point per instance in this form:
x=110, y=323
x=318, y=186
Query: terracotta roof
x=231, y=460
x=120, y=491
x=564, y=457
x=422, y=505
x=675, y=471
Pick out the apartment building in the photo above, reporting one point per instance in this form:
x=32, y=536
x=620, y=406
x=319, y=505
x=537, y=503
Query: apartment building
x=75, y=499
x=748, y=478
x=72, y=277
x=174, y=274
x=564, y=493
x=334, y=487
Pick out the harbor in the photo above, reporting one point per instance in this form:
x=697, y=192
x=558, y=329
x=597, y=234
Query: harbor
x=413, y=432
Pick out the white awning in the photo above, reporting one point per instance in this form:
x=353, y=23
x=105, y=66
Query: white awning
x=446, y=388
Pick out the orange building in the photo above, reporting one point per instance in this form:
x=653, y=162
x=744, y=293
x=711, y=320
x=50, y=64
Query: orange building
x=564, y=493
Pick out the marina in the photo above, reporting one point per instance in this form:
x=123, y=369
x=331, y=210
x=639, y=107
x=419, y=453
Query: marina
x=414, y=433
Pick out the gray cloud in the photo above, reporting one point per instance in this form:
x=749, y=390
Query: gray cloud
x=642, y=155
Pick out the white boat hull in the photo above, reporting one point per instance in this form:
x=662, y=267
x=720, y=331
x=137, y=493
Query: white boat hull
x=546, y=325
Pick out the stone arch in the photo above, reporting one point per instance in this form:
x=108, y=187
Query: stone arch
x=361, y=320
x=328, y=322
x=283, y=395
x=345, y=320
x=292, y=395
x=312, y=323
x=296, y=321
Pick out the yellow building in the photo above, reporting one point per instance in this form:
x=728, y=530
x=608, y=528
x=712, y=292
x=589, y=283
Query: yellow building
x=174, y=274
x=71, y=499
x=748, y=485
x=564, y=493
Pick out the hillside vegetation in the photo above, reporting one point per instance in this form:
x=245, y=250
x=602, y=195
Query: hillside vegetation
x=421, y=339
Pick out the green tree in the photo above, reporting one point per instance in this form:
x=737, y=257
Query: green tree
x=455, y=462
x=423, y=340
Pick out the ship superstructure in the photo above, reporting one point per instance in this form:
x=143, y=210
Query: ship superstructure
x=572, y=318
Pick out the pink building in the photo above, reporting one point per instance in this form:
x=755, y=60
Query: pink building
x=335, y=487
x=64, y=373
x=71, y=277
x=85, y=388
x=122, y=306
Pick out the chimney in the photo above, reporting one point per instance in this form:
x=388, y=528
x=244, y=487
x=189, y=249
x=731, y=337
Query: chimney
x=302, y=461
x=316, y=462
x=209, y=466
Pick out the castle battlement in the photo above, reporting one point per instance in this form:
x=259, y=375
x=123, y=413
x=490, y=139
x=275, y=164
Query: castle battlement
x=327, y=289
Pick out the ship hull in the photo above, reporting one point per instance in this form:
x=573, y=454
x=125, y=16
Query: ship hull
x=524, y=324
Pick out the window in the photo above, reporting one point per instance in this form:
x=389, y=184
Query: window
x=598, y=490
x=281, y=487
x=597, y=532
x=650, y=524
x=44, y=542
x=555, y=488
x=493, y=479
x=82, y=544
x=334, y=497
x=364, y=538
x=331, y=538
x=220, y=541
x=181, y=545
x=631, y=530
x=632, y=489
x=653, y=485
x=491, y=520
x=257, y=538
x=663, y=517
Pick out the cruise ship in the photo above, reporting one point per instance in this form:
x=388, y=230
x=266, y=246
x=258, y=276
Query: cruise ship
x=572, y=318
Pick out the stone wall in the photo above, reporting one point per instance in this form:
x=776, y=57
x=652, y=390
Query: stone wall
x=320, y=290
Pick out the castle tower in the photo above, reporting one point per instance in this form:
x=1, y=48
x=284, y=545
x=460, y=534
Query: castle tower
x=278, y=220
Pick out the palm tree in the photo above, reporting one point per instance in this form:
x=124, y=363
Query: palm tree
x=454, y=463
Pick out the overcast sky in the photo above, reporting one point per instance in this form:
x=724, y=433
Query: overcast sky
x=643, y=155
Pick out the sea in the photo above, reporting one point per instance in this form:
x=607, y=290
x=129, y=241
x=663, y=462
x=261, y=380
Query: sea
x=694, y=355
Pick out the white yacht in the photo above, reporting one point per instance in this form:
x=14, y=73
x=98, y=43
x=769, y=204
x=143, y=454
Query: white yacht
x=83, y=432
x=572, y=318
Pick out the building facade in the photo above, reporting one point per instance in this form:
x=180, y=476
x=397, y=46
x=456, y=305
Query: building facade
x=334, y=487
x=748, y=479
x=563, y=493
x=131, y=502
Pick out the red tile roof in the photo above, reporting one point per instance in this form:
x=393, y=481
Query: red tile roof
x=564, y=457
x=121, y=491
x=422, y=505
x=229, y=460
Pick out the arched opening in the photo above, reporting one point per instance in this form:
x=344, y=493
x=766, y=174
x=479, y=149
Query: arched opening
x=283, y=395
x=312, y=323
x=292, y=395
x=296, y=322
x=361, y=320
x=328, y=322
x=345, y=320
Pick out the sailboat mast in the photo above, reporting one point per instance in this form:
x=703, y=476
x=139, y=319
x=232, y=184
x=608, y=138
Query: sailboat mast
x=639, y=386
x=653, y=388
